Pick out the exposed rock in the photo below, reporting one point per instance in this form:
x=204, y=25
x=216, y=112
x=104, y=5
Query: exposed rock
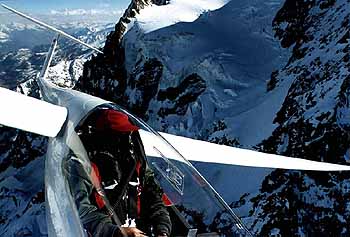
x=180, y=97
x=105, y=75
x=318, y=75
x=311, y=124
x=144, y=82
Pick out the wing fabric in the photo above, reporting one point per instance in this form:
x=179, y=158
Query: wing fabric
x=30, y=114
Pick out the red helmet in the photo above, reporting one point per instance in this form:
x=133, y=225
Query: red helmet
x=114, y=120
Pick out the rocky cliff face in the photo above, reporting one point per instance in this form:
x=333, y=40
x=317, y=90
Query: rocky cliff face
x=312, y=123
x=184, y=78
x=312, y=119
x=105, y=75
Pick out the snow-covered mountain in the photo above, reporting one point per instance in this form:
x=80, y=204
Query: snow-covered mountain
x=24, y=49
x=312, y=123
x=266, y=75
x=195, y=78
x=225, y=78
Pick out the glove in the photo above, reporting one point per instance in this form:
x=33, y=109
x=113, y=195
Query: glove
x=114, y=120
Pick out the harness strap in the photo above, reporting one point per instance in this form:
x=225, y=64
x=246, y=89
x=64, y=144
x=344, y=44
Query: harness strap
x=99, y=194
x=167, y=202
x=139, y=189
x=96, y=181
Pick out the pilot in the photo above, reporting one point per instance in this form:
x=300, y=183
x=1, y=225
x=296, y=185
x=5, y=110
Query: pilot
x=120, y=187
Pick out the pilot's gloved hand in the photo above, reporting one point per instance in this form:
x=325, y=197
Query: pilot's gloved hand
x=110, y=119
x=132, y=232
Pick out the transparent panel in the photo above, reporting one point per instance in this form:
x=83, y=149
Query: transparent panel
x=195, y=205
x=62, y=217
x=115, y=175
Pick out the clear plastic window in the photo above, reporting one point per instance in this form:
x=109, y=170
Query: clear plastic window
x=129, y=178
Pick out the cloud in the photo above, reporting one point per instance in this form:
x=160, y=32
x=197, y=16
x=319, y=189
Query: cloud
x=85, y=12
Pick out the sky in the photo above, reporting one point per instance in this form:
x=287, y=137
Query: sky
x=44, y=6
x=63, y=11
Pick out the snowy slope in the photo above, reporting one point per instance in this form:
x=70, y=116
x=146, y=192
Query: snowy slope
x=318, y=98
x=313, y=123
x=152, y=17
x=232, y=56
x=187, y=77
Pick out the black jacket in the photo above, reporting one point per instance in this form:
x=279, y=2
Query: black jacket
x=118, y=165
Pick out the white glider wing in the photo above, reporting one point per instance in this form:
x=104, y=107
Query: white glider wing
x=30, y=114
x=195, y=150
